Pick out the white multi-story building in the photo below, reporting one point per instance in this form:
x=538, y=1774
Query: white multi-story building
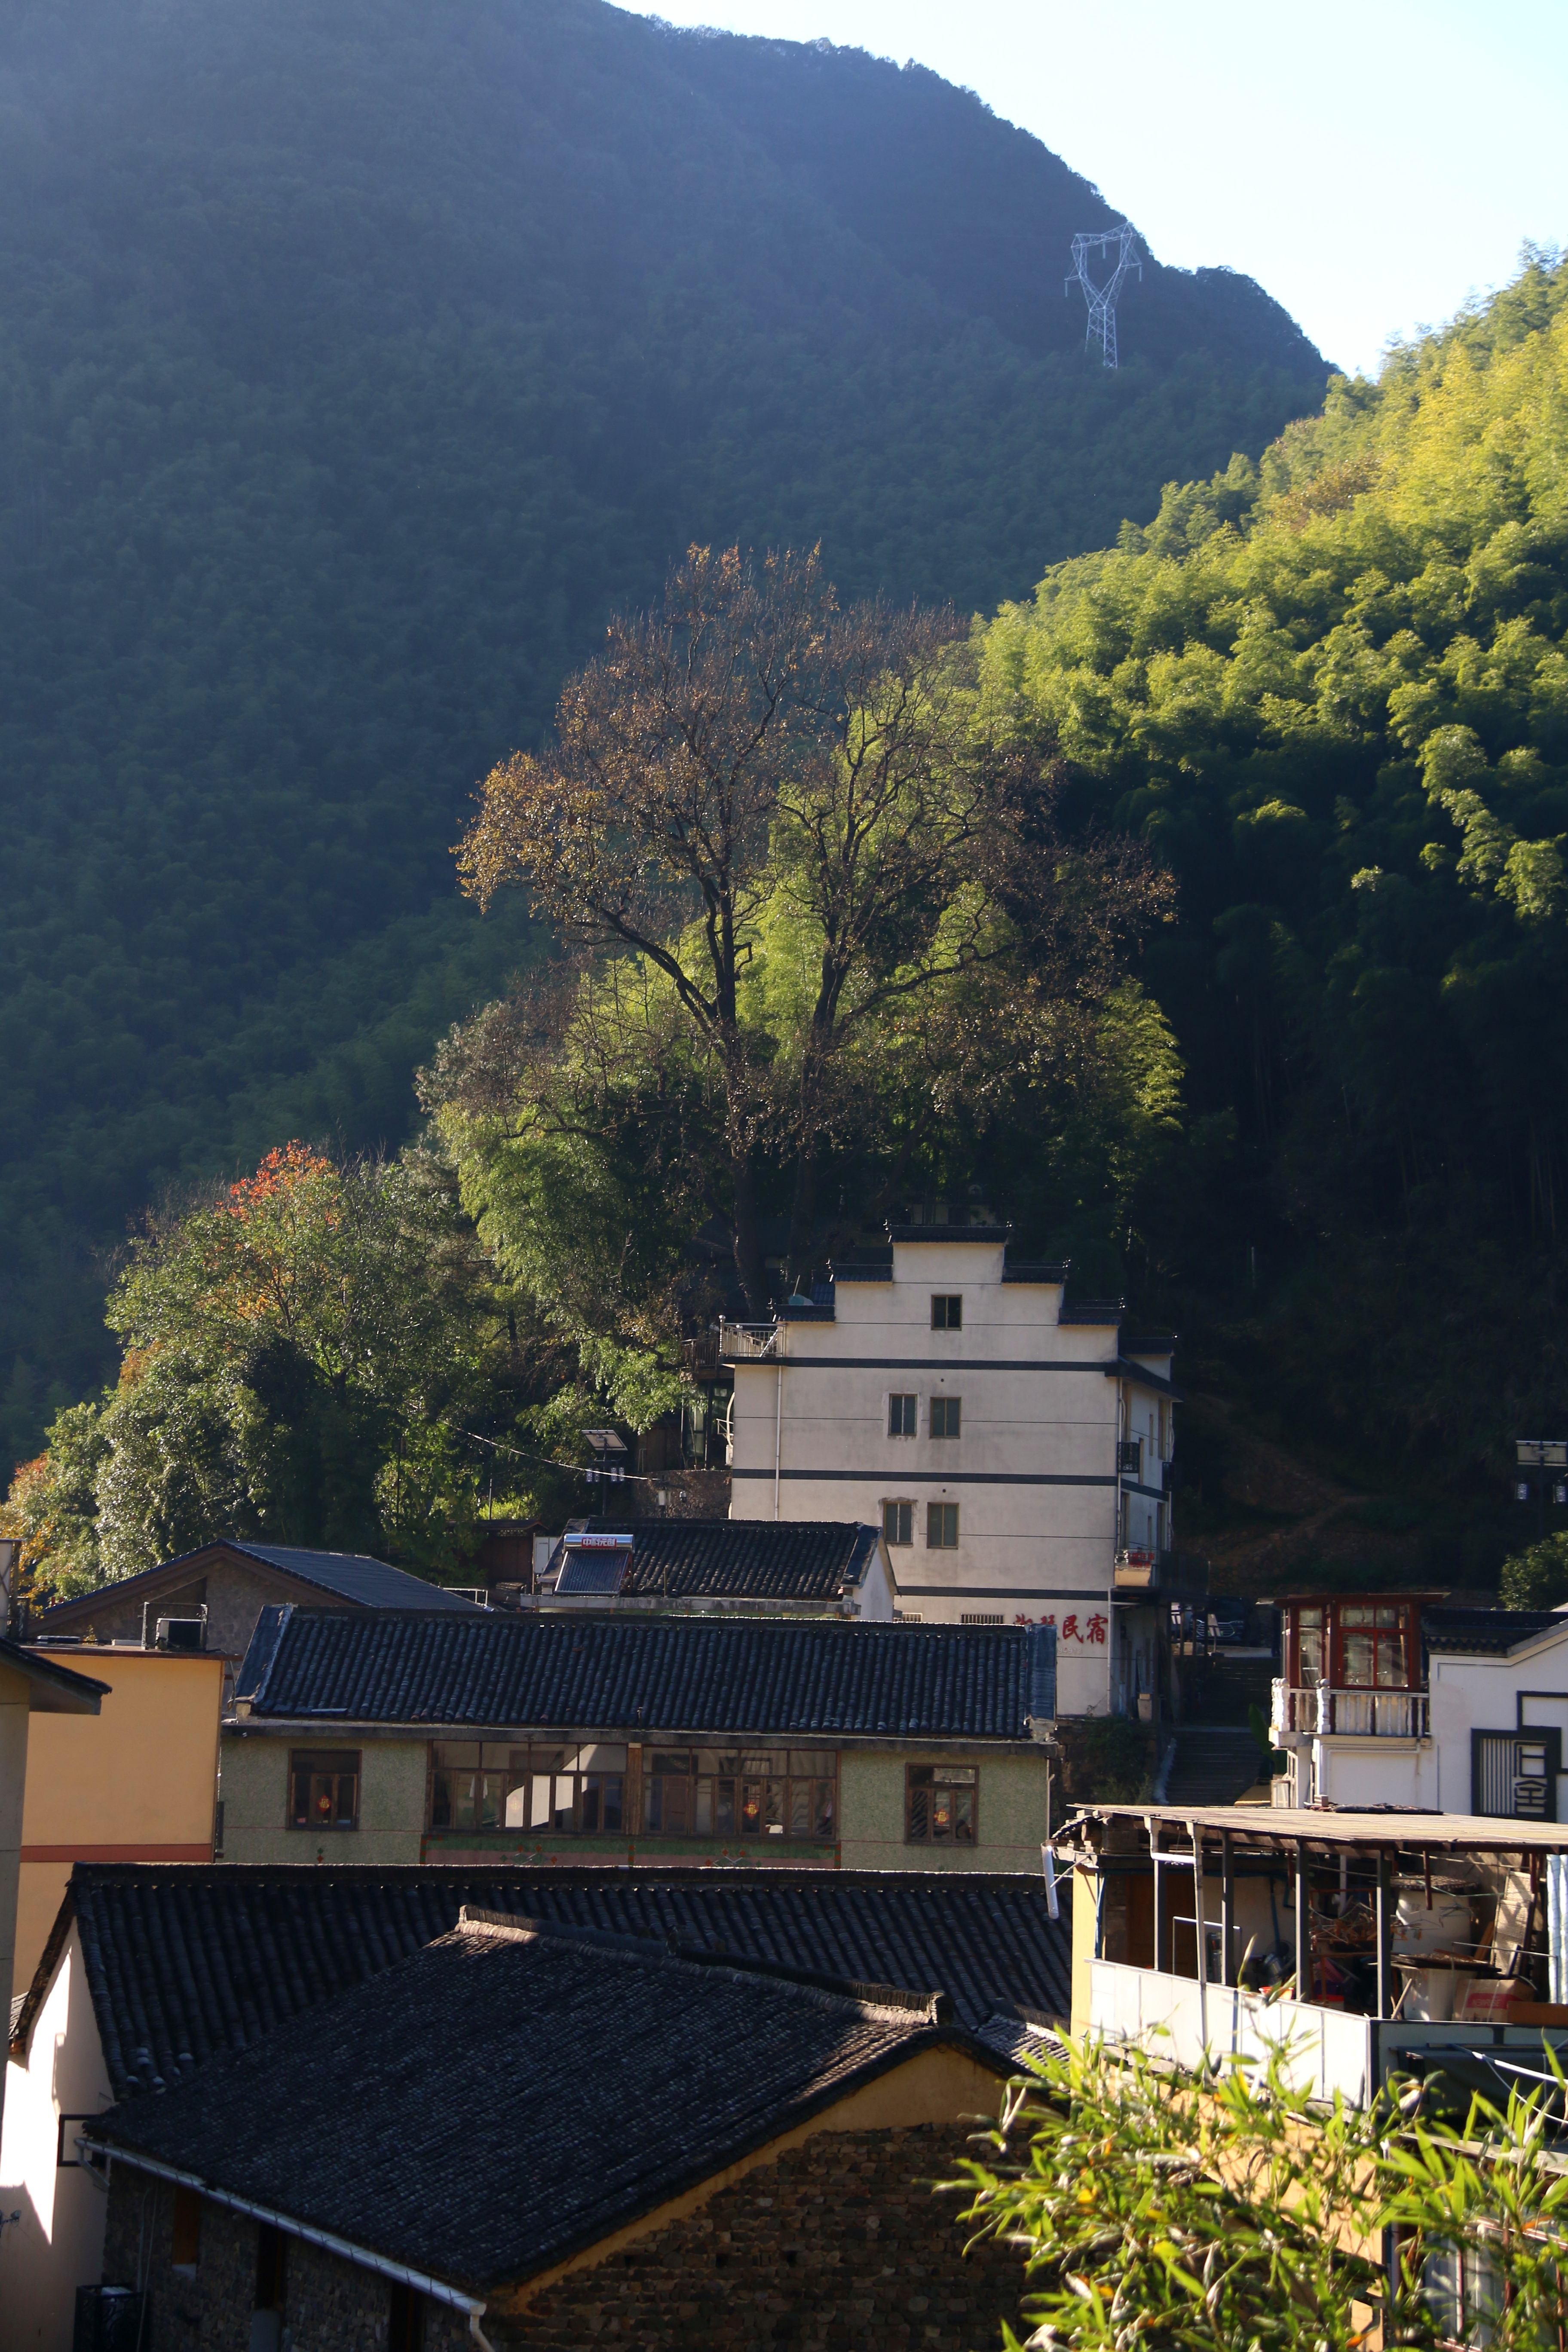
x=1008, y=1445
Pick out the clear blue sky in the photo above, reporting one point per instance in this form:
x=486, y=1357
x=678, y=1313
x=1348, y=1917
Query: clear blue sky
x=1371, y=164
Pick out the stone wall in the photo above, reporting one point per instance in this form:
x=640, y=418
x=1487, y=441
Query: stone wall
x=328, y=2305
x=839, y=2243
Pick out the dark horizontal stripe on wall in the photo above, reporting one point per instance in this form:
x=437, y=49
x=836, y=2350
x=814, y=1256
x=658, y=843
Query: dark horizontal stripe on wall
x=1002, y=1592
x=939, y=1477
x=928, y=1364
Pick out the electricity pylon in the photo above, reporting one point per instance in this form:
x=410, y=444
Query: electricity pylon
x=1102, y=300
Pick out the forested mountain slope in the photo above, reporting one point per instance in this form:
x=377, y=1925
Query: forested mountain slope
x=1333, y=693
x=354, y=361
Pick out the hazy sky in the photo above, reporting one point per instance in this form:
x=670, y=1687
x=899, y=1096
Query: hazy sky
x=1371, y=164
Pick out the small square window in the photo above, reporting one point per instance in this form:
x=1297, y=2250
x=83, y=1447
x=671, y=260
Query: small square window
x=940, y=1804
x=941, y=1527
x=904, y=1416
x=947, y=1313
x=946, y=1415
x=899, y=1523
x=323, y=1788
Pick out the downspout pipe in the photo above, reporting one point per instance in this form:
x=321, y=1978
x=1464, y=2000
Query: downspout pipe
x=362, y=2257
x=778, y=1425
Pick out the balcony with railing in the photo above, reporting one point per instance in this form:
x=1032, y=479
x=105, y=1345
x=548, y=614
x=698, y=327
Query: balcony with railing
x=751, y=1343
x=1318, y=1710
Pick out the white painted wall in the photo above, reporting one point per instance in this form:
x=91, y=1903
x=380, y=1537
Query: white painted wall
x=57, y=2245
x=1033, y=1472
x=1526, y=1689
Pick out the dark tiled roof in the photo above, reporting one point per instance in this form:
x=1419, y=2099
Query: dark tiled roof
x=186, y=1963
x=1097, y=1312
x=651, y=1673
x=1487, y=1630
x=1033, y=1270
x=995, y=1234
x=348, y=1575
x=749, y=1559
x=505, y=2097
x=374, y=1583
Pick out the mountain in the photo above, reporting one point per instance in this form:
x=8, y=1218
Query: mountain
x=356, y=361
x=1330, y=692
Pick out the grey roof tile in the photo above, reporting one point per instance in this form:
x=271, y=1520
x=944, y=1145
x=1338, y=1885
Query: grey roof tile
x=812, y=1678
x=505, y=2097
x=186, y=1962
x=749, y=1559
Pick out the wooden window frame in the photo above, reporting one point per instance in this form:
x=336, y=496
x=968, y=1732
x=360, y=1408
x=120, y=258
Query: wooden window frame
x=944, y=1775
x=722, y=1796
x=302, y=1765
x=603, y=1790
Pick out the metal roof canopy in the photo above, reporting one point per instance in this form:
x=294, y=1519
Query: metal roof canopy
x=1288, y=1825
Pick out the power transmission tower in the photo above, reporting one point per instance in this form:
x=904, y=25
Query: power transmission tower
x=1102, y=300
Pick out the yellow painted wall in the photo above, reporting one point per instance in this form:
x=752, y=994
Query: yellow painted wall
x=136, y=1782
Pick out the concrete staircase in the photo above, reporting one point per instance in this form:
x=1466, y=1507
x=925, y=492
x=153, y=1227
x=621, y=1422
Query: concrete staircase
x=1211, y=1767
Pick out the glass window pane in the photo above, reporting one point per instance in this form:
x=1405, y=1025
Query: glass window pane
x=705, y=1808
x=670, y=1760
x=940, y=1814
x=1355, y=1613
x=800, y=1809
x=539, y=1808
x=441, y=1802
x=823, y=1809
x=457, y=1752
x=591, y=1805
x=724, y=1809
x=964, y=1816
x=495, y=1756
x=804, y=1766
x=603, y=1758
x=517, y=1807
x=920, y=1813
x=564, y=1788
x=610, y=1804
x=1358, y=1661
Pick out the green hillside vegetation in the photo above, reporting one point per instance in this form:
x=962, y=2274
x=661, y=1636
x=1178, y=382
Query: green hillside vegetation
x=355, y=364
x=1330, y=692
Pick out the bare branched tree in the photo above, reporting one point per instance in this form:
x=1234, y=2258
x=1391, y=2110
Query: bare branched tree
x=753, y=769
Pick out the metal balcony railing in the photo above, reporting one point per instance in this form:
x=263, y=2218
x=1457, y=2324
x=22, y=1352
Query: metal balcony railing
x=1319, y=1711
x=750, y=1343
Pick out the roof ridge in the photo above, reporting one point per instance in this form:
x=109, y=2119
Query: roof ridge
x=880, y=2003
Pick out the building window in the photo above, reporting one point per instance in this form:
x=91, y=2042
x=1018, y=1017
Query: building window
x=904, y=1416
x=544, y=1788
x=1373, y=1652
x=272, y=2277
x=899, y=1523
x=946, y=1415
x=1513, y=1774
x=941, y=1527
x=405, y=2319
x=754, y=1793
x=947, y=1313
x=981, y=1617
x=940, y=1804
x=323, y=1788
x=186, y=2232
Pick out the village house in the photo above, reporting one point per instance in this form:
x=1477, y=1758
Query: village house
x=1355, y=1944
x=736, y=1568
x=1390, y=1698
x=224, y=1587
x=1012, y=1446
x=760, y=2154
x=151, y=1972
x=30, y=1686
x=534, y=1738
x=134, y=1781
